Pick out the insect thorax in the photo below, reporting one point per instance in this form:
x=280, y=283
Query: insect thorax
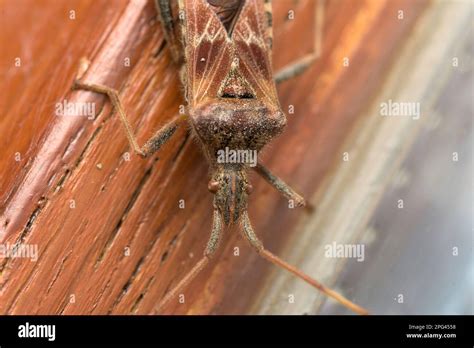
x=236, y=124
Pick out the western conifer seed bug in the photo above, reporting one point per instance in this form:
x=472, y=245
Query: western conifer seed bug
x=224, y=49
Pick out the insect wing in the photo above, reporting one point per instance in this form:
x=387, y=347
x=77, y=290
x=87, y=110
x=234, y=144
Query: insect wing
x=207, y=49
x=252, y=44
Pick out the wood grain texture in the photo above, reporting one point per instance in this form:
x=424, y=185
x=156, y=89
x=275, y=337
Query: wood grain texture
x=388, y=159
x=112, y=236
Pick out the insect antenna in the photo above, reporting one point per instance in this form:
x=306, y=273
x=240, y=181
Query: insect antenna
x=257, y=244
x=212, y=246
x=202, y=263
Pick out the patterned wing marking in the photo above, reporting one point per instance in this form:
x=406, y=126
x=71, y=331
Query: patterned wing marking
x=208, y=50
x=251, y=41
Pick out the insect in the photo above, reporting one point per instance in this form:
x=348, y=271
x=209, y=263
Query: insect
x=224, y=49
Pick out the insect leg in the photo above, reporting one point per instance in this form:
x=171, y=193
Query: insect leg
x=257, y=244
x=161, y=136
x=212, y=245
x=165, y=15
x=155, y=142
x=295, y=68
x=280, y=185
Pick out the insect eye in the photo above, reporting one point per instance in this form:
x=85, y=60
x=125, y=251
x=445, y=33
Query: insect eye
x=248, y=189
x=213, y=186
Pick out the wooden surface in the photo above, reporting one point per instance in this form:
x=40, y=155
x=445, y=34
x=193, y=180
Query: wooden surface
x=124, y=240
x=393, y=158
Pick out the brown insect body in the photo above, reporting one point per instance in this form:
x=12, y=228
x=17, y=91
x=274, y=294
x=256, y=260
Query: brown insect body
x=230, y=91
x=225, y=49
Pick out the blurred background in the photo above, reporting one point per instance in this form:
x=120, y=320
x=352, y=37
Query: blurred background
x=402, y=187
